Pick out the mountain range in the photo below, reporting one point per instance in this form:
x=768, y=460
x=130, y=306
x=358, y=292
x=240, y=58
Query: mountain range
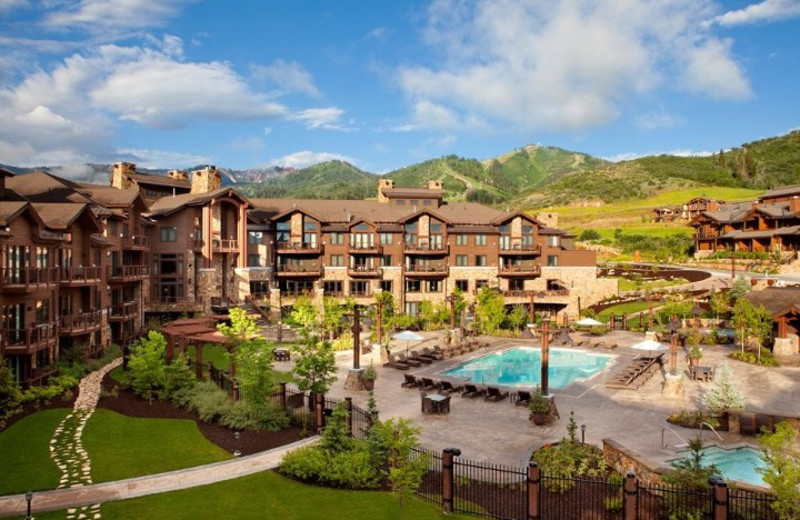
x=529, y=177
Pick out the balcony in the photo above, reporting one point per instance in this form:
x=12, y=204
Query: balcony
x=707, y=234
x=427, y=271
x=30, y=340
x=82, y=323
x=365, y=249
x=224, y=245
x=298, y=248
x=426, y=248
x=361, y=294
x=127, y=273
x=80, y=276
x=28, y=279
x=298, y=271
x=364, y=271
x=123, y=312
x=519, y=249
x=136, y=243
x=519, y=271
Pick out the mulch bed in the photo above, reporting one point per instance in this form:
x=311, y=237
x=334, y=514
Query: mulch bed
x=32, y=408
x=127, y=403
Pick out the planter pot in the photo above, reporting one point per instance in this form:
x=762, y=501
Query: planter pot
x=369, y=385
x=538, y=418
x=693, y=362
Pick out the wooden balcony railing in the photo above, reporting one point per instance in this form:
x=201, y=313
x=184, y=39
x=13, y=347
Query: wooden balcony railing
x=536, y=294
x=519, y=249
x=39, y=377
x=427, y=270
x=519, y=270
x=29, y=340
x=128, y=273
x=297, y=247
x=28, y=279
x=361, y=294
x=426, y=248
x=290, y=270
x=138, y=242
x=364, y=271
x=83, y=323
x=365, y=249
x=124, y=311
x=80, y=276
x=224, y=245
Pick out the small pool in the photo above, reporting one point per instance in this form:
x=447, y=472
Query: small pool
x=522, y=367
x=737, y=464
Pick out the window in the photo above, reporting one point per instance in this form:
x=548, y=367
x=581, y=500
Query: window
x=426, y=202
x=461, y=240
x=359, y=289
x=435, y=228
x=168, y=282
x=169, y=234
x=42, y=311
x=461, y=260
x=462, y=285
x=552, y=260
x=527, y=229
x=259, y=288
x=480, y=240
x=505, y=242
x=411, y=228
x=413, y=202
x=337, y=239
x=412, y=308
x=505, y=228
x=254, y=237
x=516, y=284
x=527, y=240
x=553, y=241
x=480, y=260
x=386, y=238
x=481, y=283
x=362, y=240
x=254, y=260
x=126, y=230
x=386, y=260
x=337, y=260
x=310, y=226
x=400, y=202
x=112, y=228
x=42, y=257
x=310, y=240
x=282, y=226
x=434, y=286
x=332, y=288
x=413, y=286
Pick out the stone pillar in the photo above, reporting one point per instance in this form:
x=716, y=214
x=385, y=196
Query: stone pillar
x=198, y=361
x=448, y=480
x=720, y=496
x=534, y=481
x=242, y=238
x=319, y=411
x=629, y=497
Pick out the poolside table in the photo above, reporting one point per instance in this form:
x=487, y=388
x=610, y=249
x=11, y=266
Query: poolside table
x=701, y=373
x=436, y=404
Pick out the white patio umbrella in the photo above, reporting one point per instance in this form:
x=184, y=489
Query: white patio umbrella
x=650, y=346
x=588, y=322
x=407, y=335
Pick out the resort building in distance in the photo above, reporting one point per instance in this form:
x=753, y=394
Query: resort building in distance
x=84, y=265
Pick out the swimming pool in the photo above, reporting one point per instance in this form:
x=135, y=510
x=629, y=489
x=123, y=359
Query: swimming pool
x=522, y=367
x=737, y=464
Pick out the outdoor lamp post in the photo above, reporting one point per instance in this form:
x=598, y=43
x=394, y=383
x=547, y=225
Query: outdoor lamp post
x=545, y=357
x=237, y=436
x=583, y=434
x=28, y=499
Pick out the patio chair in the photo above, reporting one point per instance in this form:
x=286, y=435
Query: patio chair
x=395, y=362
x=429, y=384
x=410, y=381
x=447, y=388
x=409, y=361
x=523, y=398
x=495, y=394
x=472, y=391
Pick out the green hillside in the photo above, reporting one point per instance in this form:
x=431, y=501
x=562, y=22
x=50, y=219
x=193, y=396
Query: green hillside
x=328, y=180
x=459, y=177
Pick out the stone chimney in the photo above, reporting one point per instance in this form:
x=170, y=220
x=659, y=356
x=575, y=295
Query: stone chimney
x=434, y=185
x=384, y=184
x=3, y=174
x=548, y=219
x=119, y=175
x=179, y=175
x=794, y=204
x=205, y=180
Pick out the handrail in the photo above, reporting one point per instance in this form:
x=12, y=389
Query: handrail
x=664, y=446
x=712, y=429
x=256, y=306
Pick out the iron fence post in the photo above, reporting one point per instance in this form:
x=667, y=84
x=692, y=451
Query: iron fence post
x=348, y=406
x=534, y=489
x=319, y=411
x=630, y=497
x=720, y=498
x=235, y=390
x=448, y=482
x=283, y=396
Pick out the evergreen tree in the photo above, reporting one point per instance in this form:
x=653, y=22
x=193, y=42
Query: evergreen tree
x=723, y=396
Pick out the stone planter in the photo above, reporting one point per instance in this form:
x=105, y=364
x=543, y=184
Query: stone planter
x=369, y=385
x=539, y=418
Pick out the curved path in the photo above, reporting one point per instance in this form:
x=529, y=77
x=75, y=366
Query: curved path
x=83, y=496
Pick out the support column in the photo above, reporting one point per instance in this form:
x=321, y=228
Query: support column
x=170, y=348
x=448, y=480
x=241, y=262
x=545, y=376
x=673, y=353
x=630, y=497
x=721, y=497
x=612, y=324
x=319, y=411
x=534, y=481
x=198, y=361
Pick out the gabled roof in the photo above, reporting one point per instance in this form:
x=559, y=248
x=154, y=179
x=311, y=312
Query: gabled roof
x=505, y=217
x=168, y=205
x=775, y=210
x=784, y=191
x=767, y=233
x=43, y=187
x=10, y=210
x=424, y=211
x=361, y=220
x=777, y=300
x=159, y=180
x=730, y=213
x=60, y=216
x=114, y=197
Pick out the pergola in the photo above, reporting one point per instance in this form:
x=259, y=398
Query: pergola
x=197, y=332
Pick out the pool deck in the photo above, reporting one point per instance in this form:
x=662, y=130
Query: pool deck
x=501, y=432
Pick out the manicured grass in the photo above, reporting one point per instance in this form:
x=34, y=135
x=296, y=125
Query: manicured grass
x=654, y=230
x=267, y=495
x=630, y=285
x=216, y=354
x=25, y=462
x=622, y=308
x=123, y=447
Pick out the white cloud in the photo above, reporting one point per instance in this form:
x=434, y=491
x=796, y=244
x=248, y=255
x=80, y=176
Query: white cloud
x=114, y=14
x=679, y=152
x=327, y=118
x=308, y=158
x=763, y=12
x=288, y=76
x=9, y=5
x=150, y=158
x=656, y=119
x=378, y=33
x=565, y=64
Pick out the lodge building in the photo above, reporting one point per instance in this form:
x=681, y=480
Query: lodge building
x=84, y=265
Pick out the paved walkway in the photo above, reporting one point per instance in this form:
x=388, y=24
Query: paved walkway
x=76, y=497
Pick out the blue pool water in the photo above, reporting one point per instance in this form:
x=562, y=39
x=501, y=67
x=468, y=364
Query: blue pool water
x=739, y=464
x=522, y=367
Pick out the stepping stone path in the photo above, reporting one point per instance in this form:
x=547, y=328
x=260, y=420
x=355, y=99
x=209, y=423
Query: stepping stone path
x=66, y=448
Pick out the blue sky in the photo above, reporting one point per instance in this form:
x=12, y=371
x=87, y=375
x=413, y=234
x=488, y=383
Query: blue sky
x=386, y=84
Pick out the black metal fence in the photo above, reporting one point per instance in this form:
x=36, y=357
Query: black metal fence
x=489, y=490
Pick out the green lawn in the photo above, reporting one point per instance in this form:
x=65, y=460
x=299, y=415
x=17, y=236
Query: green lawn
x=266, y=495
x=630, y=285
x=25, y=462
x=620, y=309
x=123, y=447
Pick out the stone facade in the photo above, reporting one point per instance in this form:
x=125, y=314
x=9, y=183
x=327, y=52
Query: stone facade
x=206, y=180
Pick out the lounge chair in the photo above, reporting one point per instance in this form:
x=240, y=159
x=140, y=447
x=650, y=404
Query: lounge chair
x=447, y=388
x=494, y=394
x=409, y=361
x=397, y=363
x=417, y=356
x=611, y=346
x=472, y=391
x=410, y=381
x=523, y=398
x=433, y=355
x=429, y=384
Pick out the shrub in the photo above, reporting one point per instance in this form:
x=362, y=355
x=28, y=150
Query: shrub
x=752, y=358
x=209, y=402
x=112, y=352
x=589, y=234
x=10, y=394
x=245, y=416
x=177, y=376
x=345, y=469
